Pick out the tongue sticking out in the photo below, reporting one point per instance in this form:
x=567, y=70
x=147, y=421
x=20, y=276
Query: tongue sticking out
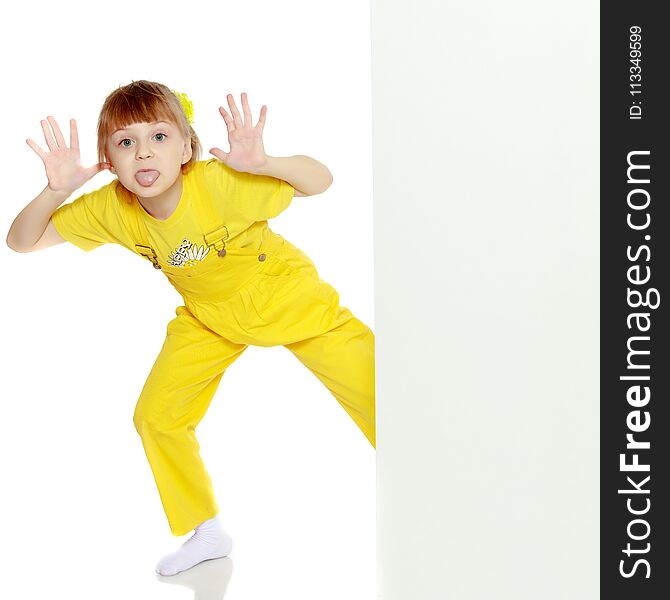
x=146, y=178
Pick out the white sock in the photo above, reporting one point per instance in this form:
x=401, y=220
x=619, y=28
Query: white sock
x=209, y=541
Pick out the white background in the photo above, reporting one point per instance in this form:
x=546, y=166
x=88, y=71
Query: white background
x=294, y=476
x=486, y=169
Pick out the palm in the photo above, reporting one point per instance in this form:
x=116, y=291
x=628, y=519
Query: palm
x=64, y=167
x=246, y=149
x=247, y=153
x=62, y=163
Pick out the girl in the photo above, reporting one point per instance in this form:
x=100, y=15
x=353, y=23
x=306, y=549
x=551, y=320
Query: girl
x=204, y=225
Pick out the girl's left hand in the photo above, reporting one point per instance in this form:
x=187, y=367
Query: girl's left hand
x=246, y=141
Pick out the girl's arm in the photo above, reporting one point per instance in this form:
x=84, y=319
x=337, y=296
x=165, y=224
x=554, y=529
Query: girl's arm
x=32, y=229
x=305, y=174
x=247, y=153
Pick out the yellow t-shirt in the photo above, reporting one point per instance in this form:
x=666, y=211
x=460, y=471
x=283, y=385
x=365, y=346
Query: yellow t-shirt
x=213, y=195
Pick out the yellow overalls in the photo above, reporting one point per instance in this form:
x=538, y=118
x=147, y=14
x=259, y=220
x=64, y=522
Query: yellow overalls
x=254, y=289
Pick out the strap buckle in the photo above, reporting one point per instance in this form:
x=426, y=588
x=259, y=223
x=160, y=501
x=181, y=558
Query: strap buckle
x=149, y=253
x=216, y=239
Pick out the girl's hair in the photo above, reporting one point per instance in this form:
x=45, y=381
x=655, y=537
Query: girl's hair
x=143, y=102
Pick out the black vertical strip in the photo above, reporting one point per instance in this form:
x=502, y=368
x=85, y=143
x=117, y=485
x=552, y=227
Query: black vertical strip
x=635, y=269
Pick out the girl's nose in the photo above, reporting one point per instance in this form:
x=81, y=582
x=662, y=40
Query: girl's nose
x=143, y=152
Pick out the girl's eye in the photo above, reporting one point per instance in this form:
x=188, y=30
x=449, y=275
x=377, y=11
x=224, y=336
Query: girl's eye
x=123, y=144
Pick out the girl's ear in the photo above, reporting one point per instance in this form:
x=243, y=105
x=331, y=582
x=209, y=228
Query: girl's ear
x=188, y=152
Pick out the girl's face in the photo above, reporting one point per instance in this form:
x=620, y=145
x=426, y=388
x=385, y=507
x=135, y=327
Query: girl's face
x=147, y=157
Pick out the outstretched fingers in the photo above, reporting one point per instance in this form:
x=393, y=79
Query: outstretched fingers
x=226, y=118
x=233, y=111
x=74, y=136
x=48, y=135
x=41, y=153
x=220, y=154
x=54, y=138
x=97, y=168
x=59, y=136
x=245, y=109
x=235, y=121
x=261, y=119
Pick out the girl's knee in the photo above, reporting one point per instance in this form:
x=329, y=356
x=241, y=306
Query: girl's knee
x=147, y=414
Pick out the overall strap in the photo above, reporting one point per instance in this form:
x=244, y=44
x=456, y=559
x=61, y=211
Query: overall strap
x=140, y=235
x=216, y=232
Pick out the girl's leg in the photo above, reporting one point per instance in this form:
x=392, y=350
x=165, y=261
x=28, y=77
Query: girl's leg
x=174, y=399
x=343, y=358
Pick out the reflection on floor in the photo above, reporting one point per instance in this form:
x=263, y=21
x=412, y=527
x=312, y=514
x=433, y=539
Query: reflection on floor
x=208, y=579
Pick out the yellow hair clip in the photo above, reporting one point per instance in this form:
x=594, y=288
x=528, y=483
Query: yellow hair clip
x=186, y=104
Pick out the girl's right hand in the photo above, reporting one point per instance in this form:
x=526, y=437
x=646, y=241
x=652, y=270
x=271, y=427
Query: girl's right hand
x=63, y=165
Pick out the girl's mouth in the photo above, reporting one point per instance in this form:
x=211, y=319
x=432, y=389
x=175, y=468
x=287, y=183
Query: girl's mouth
x=146, y=177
